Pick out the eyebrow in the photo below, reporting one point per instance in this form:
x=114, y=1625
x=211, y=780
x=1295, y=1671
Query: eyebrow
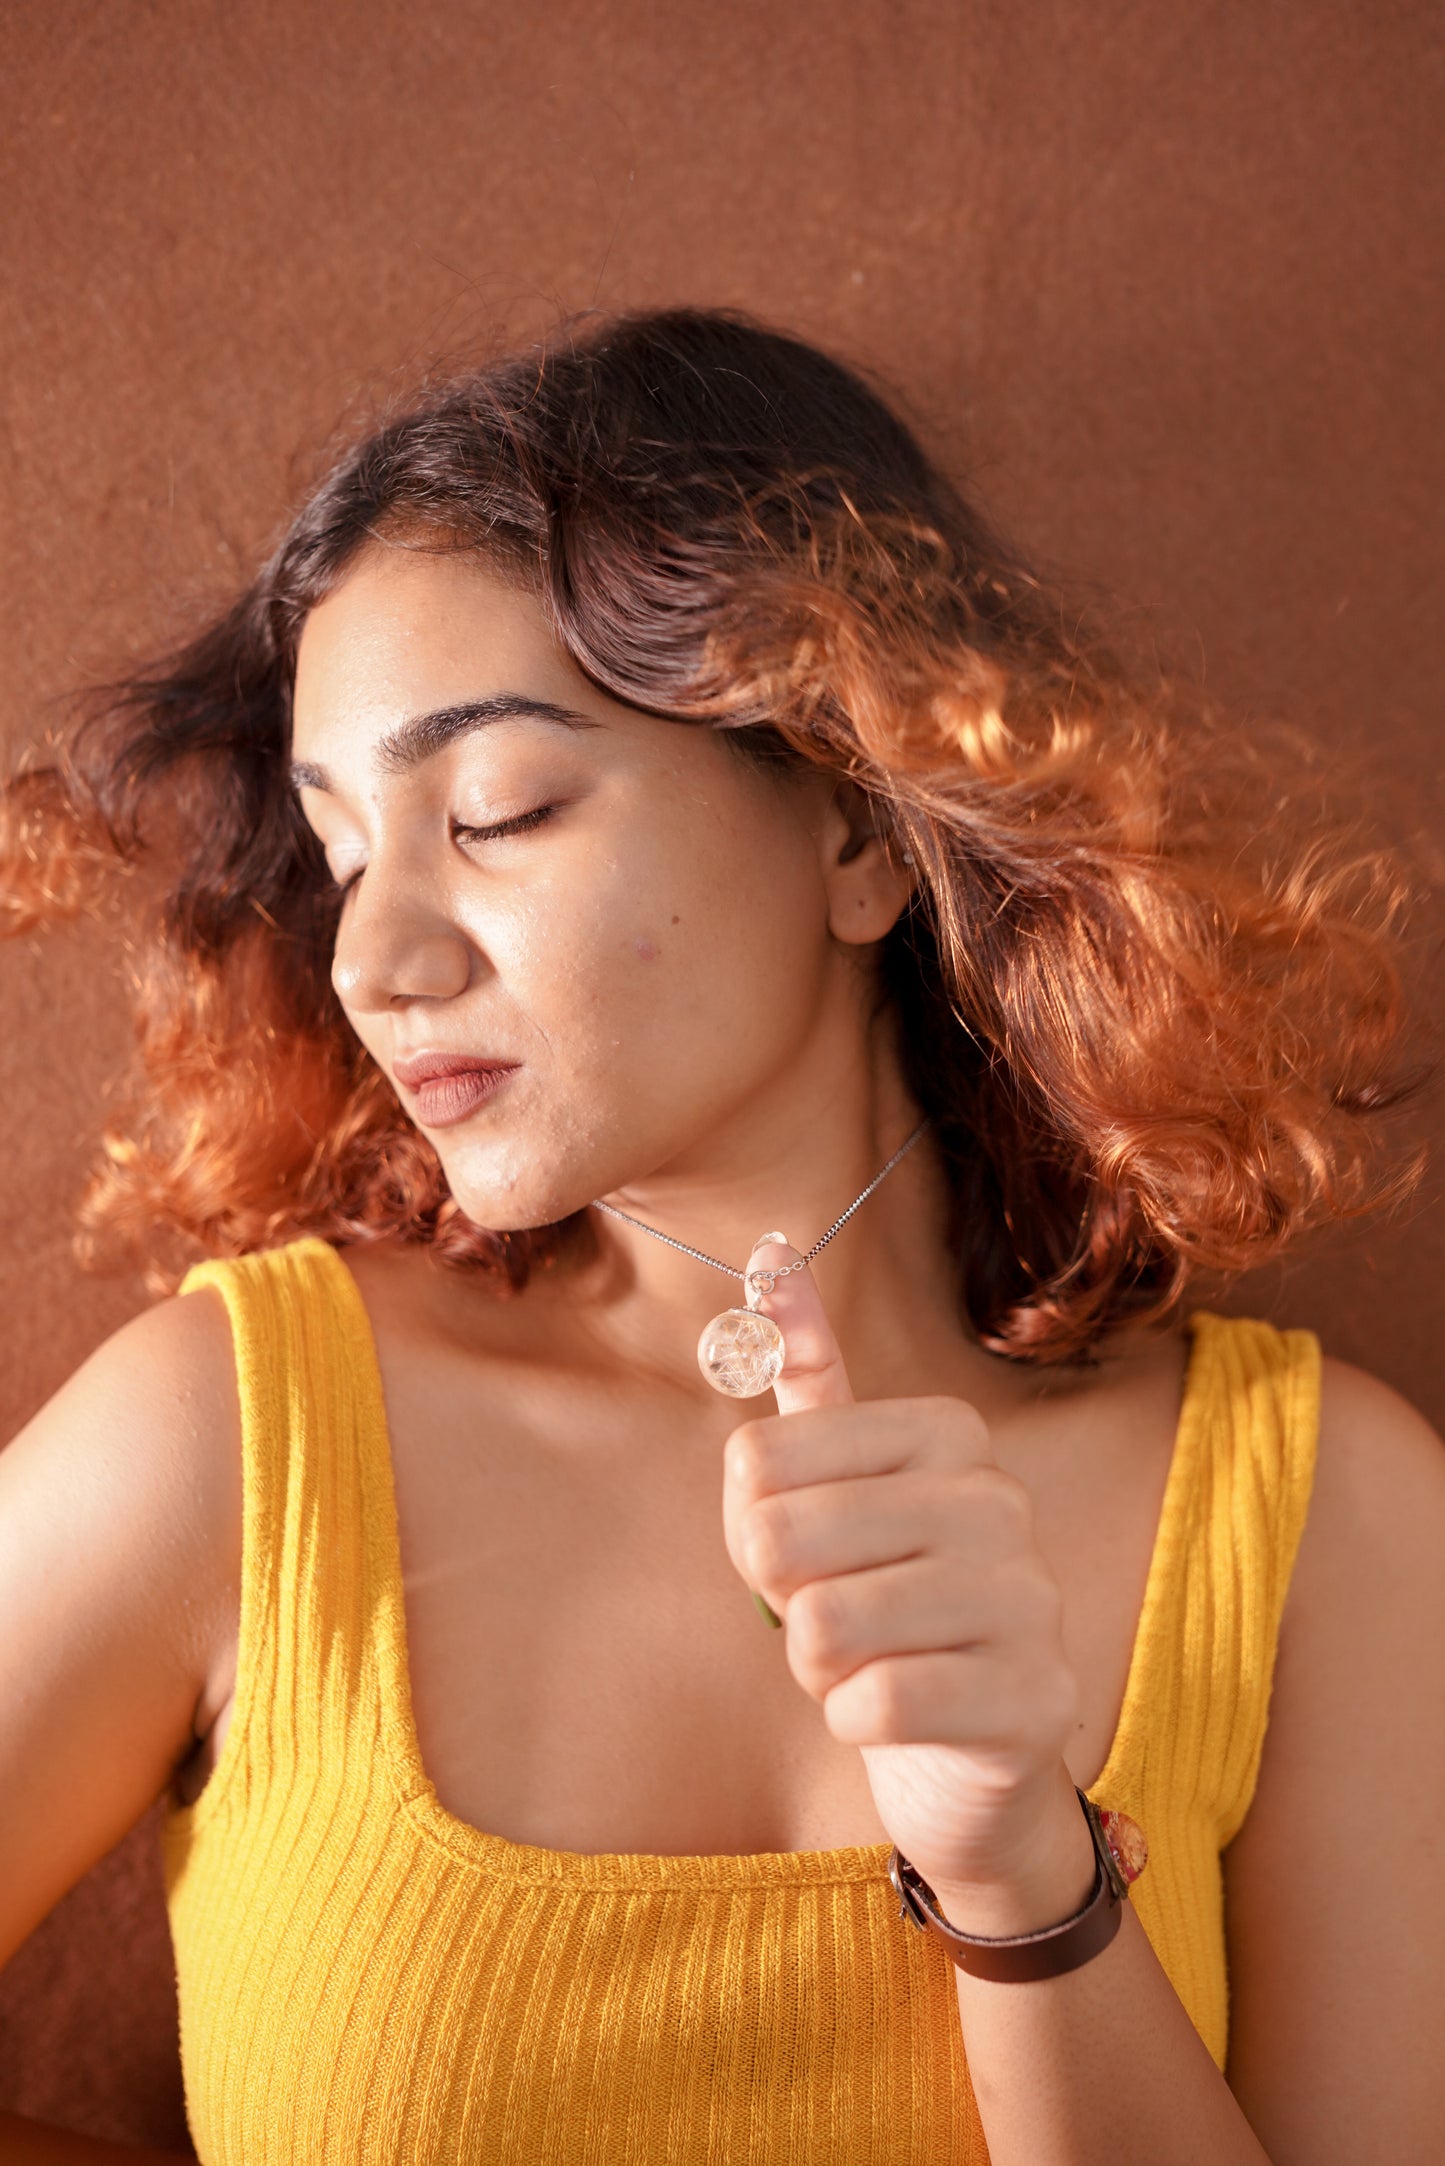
x=422, y=736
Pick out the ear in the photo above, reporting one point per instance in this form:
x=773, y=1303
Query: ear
x=868, y=886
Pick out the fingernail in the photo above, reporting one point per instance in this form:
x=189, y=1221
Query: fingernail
x=772, y=1237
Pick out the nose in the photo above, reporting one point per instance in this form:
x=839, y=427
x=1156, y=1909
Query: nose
x=398, y=941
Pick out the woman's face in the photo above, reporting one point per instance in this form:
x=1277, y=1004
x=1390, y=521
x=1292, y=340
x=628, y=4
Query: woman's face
x=663, y=940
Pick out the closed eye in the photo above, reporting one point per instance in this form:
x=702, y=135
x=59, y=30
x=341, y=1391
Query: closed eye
x=516, y=826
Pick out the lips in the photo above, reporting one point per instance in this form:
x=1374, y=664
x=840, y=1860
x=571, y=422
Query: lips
x=412, y=1070
x=449, y=1086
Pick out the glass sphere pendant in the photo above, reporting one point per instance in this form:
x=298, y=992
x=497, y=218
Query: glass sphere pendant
x=740, y=1352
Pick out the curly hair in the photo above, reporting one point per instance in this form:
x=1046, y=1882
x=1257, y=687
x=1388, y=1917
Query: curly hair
x=1152, y=998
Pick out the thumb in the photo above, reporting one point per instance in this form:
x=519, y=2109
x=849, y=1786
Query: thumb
x=812, y=1373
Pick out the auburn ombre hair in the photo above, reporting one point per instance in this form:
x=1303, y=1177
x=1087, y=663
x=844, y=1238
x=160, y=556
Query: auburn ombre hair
x=1152, y=1000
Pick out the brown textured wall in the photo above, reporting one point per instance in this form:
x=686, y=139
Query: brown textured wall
x=1167, y=279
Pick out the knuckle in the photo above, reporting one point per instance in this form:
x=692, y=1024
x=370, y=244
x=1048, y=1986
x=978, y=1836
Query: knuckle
x=1031, y=1601
x=1051, y=1698
x=961, y=1424
x=747, y=1454
x=1065, y=1701
x=816, y=1626
x=971, y=1427
x=890, y=1698
x=768, y=1539
x=1050, y=1598
x=1005, y=1498
x=880, y=1704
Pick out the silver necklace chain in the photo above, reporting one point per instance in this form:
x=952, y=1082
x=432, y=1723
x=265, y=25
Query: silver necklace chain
x=765, y=1279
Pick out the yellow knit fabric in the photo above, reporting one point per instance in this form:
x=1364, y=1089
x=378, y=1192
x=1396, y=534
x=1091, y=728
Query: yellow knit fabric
x=365, y=1978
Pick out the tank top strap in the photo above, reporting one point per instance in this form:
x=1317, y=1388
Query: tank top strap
x=1197, y=1700
x=305, y=1683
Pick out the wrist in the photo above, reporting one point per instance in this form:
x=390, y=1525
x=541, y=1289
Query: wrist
x=1047, y=1876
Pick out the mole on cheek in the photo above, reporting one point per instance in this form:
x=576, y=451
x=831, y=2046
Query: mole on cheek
x=644, y=951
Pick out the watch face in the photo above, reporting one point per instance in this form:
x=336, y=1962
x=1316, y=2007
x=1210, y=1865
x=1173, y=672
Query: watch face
x=1123, y=1852
x=1126, y=1843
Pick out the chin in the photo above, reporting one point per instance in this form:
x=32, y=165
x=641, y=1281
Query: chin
x=546, y=1166
x=519, y=1204
x=508, y=1214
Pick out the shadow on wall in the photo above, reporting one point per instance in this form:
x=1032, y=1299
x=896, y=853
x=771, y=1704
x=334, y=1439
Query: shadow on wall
x=76, y=2051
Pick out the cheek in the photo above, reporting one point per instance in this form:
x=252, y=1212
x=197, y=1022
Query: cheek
x=664, y=959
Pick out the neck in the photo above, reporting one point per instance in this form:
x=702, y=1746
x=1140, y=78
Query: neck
x=715, y=1263
x=886, y=1278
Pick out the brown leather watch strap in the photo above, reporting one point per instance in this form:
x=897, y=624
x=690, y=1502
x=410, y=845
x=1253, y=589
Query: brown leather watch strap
x=1021, y=1958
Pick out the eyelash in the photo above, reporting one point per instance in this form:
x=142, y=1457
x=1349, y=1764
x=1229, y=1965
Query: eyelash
x=517, y=826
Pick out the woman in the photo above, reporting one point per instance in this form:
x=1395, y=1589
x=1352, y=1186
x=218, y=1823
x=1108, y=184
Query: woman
x=643, y=735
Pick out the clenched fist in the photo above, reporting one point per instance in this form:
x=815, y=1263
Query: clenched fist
x=917, y=1608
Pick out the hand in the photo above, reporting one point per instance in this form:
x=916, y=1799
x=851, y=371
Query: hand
x=917, y=1608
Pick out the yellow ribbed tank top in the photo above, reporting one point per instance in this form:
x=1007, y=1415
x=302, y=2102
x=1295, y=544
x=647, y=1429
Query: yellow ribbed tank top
x=365, y=1978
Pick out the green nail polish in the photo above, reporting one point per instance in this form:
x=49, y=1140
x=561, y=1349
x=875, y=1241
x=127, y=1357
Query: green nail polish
x=765, y=1613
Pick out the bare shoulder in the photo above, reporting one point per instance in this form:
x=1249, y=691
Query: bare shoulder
x=1379, y=1491
x=1365, y=1612
x=166, y=1384
x=1374, y=1537
x=119, y=1558
x=150, y=1423
x=1337, y=1988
